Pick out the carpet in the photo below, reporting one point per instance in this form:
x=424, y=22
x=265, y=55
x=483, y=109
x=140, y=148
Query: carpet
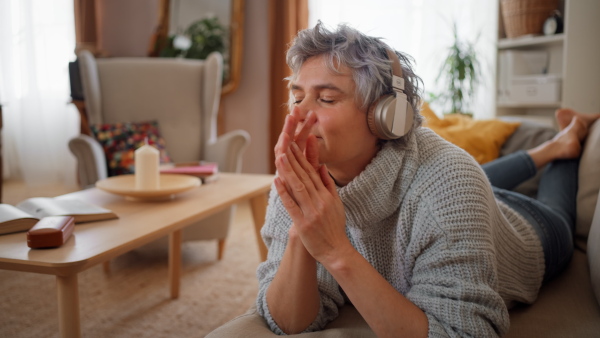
x=132, y=300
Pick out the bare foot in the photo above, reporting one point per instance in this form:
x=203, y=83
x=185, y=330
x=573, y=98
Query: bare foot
x=568, y=141
x=564, y=116
x=565, y=145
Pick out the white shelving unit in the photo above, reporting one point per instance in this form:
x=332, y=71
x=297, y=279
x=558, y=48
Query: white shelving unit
x=574, y=56
x=531, y=41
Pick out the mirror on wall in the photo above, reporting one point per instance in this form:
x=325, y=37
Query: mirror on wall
x=178, y=15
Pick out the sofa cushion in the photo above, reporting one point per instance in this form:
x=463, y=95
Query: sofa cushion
x=349, y=324
x=480, y=138
x=120, y=140
x=593, y=245
x=565, y=307
x=589, y=181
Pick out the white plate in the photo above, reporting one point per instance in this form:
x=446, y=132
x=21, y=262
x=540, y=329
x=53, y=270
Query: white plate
x=170, y=184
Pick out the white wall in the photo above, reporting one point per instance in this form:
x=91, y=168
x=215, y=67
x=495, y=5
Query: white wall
x=423, y=29
x=184, y=12
x=248, y=107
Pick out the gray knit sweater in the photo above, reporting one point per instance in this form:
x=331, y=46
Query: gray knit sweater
x=426, y=218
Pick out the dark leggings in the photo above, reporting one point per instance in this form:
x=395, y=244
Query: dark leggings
x=552, y=214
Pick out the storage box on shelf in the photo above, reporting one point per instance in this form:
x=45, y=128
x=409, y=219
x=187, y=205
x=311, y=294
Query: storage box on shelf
x=524, y=79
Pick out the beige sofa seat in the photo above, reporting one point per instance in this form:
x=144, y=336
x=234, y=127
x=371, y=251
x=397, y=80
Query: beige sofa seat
x=566, y=306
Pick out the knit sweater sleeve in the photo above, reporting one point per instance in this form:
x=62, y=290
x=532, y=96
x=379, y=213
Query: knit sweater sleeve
x=275, y=236
x=454, y=279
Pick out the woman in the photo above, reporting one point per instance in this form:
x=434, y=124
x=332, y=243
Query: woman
x=408, y=230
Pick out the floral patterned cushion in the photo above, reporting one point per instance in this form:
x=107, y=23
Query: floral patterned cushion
x=120, y=140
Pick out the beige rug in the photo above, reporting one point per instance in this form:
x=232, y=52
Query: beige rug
x=133, y=299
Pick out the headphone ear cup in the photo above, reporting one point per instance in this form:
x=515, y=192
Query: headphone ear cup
x=371, y=118
x=377, y=116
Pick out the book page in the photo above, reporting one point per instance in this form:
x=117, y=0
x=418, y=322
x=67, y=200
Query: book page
x=9, y=213
x=46, y=206
x=13, y=219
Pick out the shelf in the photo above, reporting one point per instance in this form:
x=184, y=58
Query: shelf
x=530, y=40
x=528, y=105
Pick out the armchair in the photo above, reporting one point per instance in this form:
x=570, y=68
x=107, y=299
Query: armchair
x=183, y=96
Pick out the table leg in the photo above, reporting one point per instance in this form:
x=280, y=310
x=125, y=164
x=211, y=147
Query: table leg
x=175, y=263
x=106, y=267
x=68, y=306
x=259, y=211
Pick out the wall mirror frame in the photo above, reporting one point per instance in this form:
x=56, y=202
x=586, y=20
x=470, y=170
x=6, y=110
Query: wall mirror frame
x=236, y=36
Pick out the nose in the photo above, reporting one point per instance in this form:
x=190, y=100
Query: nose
x=301, y=110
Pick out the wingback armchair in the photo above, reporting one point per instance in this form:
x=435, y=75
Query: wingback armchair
x=183, y=96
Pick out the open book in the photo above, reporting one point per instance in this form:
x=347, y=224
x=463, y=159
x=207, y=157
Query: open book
x=26, y=214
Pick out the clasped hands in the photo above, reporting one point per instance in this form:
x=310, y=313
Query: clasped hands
x=308, y=192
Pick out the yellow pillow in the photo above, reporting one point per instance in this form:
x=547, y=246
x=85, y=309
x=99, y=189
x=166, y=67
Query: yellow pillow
x=480, y=138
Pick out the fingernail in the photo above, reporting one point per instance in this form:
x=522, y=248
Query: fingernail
x=284, y=158
x=295, y=146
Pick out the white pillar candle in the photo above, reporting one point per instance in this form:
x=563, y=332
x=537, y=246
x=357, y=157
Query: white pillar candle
x=147, y=174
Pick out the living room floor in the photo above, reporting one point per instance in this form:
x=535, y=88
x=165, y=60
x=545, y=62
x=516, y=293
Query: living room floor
x=131, y=300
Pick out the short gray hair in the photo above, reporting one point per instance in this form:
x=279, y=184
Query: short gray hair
x=366, y=57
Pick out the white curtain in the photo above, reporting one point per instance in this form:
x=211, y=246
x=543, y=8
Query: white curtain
x=37, y=40
x=423, y=29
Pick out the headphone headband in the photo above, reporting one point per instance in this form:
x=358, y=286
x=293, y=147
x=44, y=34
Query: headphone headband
x=397, y=78
x=396, y=68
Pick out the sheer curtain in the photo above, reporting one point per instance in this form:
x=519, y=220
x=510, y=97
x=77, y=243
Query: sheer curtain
x=423, y=29
x=37, y=40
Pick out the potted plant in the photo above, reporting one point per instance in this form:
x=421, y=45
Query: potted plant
x=201, y=38
x=460, y=73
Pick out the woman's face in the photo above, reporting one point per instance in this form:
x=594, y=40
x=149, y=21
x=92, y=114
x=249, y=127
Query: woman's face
x=346, y=144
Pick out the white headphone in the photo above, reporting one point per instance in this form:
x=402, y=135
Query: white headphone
x=391, y=116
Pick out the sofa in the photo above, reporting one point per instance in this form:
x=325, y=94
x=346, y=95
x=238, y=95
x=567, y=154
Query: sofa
x=567, y=306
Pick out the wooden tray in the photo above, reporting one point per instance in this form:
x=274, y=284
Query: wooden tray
x=170, y=184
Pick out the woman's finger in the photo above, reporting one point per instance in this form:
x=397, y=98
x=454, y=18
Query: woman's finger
x=304, y=129
x=300, y=185
x=280, y=170
x=306, y=166
x=283, y=143
x=290, y=124
x=286, y=136
x=300, y=172
x=312, y=151
x=287, y=200
x=327, y=180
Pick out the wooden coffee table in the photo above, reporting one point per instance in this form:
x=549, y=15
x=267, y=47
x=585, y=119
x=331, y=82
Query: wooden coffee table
x=139, y=223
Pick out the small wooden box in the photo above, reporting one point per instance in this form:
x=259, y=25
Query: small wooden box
x=50, y=232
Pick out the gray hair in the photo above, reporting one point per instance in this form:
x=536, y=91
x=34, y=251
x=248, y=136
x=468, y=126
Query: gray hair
x=366, y=57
